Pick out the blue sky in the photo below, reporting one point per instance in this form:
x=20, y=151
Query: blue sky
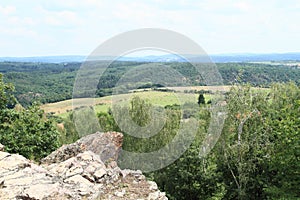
x=77, y=27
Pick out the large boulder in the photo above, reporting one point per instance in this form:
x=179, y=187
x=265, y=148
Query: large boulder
x=75, y=172
x=106, y=145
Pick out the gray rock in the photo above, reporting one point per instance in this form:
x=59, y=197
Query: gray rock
x=120, y=193
x=106, y=145
x=76, y=171
x=99, y=173
x=153, y=185
x=1, y=147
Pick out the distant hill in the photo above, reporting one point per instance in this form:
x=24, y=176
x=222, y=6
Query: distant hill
x=45, y=59
x=222, y=58
x=256, y=57
x=218, y=58
x=52, y=82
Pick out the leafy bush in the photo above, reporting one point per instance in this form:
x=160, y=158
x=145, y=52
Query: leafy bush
x=25, y=131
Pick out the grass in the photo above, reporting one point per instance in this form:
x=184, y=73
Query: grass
x=103, y=103
x=155, y=97
x=224, y=88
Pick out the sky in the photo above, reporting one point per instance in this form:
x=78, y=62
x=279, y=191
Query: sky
x=77, y=27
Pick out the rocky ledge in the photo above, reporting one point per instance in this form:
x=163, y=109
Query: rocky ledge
x=86, y=169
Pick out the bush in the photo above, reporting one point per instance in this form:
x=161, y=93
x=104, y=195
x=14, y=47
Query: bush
x=25, y=131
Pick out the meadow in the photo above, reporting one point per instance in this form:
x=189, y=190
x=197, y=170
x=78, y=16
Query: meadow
x=179, y=95
x=102, y=104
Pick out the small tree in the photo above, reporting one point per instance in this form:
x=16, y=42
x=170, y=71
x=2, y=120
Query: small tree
x=201, y=99
x=140, y=111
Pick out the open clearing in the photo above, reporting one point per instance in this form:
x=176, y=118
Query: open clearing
x=103, y=103
x=155, y=97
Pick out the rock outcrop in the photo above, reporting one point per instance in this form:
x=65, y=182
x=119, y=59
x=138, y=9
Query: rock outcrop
x=1, y=147
x=106, y=145
x=86, y=169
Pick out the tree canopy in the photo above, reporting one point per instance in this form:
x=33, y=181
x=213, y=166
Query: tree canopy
x=25, y=131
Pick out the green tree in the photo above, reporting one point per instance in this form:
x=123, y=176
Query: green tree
x=201, y=99
x=107, y=121
x=244, y=145
x=7, y=100
x=191, y=177
x=140, y=111
x=25, y=131
x=283, y=172
x=256, y=157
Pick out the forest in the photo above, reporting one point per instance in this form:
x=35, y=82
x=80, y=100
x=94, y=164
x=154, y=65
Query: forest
x=49, y=82
x=257, y=155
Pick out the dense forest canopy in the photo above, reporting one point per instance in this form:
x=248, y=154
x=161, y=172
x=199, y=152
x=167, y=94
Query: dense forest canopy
x=50, y=82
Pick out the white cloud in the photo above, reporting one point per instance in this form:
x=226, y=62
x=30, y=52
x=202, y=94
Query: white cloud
x=18, y=21
x=7, y=10
x=220, y=26
x=19, y=31
x=65, y=18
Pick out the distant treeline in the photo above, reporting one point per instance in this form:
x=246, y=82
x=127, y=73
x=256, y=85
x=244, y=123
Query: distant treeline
x=50, y=82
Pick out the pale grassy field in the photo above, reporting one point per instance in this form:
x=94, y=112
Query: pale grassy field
x=223, y=88
x=67, y=105
x=103, y=103
x=155, y=97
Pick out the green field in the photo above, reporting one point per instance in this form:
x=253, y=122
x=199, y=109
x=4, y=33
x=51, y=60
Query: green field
x=103, y=103
x=158, y=98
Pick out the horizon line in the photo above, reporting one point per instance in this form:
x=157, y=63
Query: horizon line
x=214, y=54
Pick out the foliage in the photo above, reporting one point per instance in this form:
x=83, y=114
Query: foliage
x=258, y=152
x=107, y=121
x=7, y=99
x=201, y=99
x=66, y=128
x=140, y=111
x=256, y=157
x=190, y=177
x=244, y=144
x=50, y=82
x=84, y=121
x=284, y=121
x=25, y=131
x=43, y=82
